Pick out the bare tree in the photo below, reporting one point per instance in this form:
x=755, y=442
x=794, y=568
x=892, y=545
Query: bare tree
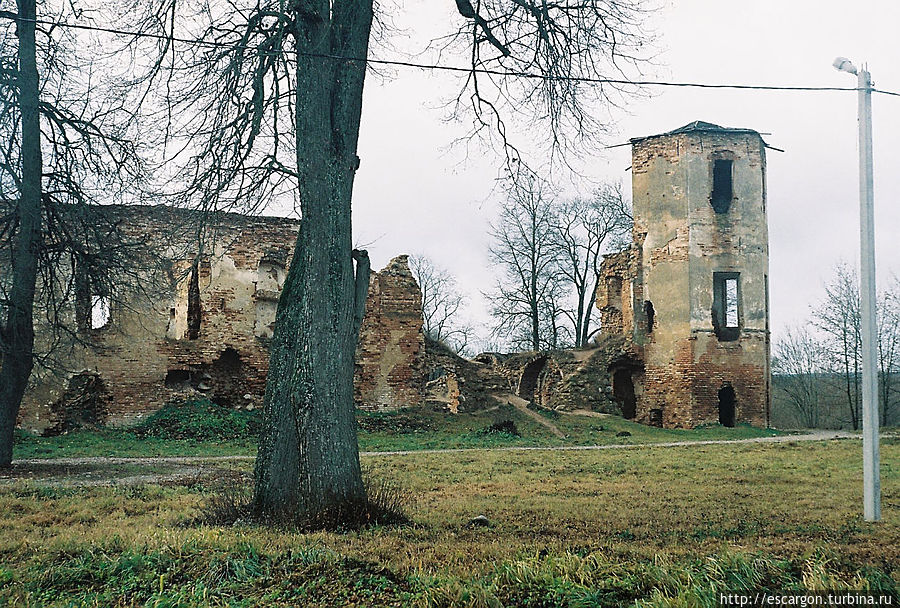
x=63, y=146
x=526, y=297
x=585, y=229
x=271, y=103
x=889, y=349
x=441, y=304
x=837, y=316
x=798, y=358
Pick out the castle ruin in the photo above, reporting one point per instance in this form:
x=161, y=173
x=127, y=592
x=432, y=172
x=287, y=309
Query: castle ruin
x=691, y=294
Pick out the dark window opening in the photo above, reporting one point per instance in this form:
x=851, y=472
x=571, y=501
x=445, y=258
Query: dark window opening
x=726, y=316
x=194, y=313
x=92, y=310
x=82, y=301
x=723, y=190
x=656, y=417
x=178, y=378
x=727, y=400
x=649, y=314
x=623, y=392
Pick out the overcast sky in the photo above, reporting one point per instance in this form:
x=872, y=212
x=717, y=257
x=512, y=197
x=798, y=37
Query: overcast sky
x=414, y=195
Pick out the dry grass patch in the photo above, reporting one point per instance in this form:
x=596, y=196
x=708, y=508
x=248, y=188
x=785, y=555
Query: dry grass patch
x=593, y=528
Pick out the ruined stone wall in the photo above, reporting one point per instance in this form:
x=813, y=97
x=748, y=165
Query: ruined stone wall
x=616, y=294
x=152, y=351
x=145, y=355
x=390, y=357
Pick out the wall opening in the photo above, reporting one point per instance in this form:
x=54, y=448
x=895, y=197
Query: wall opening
x=727, y=401
x=226, y=378
x=649, y=315
x=84, y=403
x=82, y=301
x=528, y=382
x=178, y=378
x=99, y=312
x=723, y=187
x=623, y=392
x=194, y=312
x=726, y=308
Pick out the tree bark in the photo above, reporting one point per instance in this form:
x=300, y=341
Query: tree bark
x=19, y=330
x=308, y=460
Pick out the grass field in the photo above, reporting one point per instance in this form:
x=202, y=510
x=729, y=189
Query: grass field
x=407, y=430
x=646, y=526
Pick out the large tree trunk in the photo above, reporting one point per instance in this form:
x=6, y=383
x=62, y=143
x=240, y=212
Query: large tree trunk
x=308, y=460
x=19, y=331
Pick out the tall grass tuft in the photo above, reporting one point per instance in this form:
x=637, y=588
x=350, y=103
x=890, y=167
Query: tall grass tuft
x=231, y=503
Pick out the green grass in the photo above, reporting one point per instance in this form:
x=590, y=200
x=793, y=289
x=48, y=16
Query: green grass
x=414, y=429
x=642, y=527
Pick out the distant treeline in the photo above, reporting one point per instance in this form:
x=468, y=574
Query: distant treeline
x=831, y=408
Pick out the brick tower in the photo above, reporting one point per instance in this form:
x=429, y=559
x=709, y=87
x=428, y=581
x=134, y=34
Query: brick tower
x=691, y=294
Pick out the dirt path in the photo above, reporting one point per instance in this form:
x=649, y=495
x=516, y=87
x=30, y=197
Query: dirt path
x=189, y=470
x=522, y=405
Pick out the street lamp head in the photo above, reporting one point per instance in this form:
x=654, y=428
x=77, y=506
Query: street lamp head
x=842, y=64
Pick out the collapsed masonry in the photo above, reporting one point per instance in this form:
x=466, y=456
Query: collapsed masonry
x=684, y=313
x=684, y=310
x=204, y=327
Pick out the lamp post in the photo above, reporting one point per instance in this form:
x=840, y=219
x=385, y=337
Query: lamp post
x=871, y=476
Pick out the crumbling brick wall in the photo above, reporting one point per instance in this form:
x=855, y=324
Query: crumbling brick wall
x=152, y=351
x=390, y=356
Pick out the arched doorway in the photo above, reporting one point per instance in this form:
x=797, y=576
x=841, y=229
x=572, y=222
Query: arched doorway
x=623, y=392
x=727, y=400
x=530, y=376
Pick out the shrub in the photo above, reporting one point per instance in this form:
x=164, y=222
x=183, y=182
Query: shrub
x=200, y=420
x=502, y=427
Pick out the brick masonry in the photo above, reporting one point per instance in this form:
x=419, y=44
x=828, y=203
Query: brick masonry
x=659, y=294
x=390, y=357
x=145, y=357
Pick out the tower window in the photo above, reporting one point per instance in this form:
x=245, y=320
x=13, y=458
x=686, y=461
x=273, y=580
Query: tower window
x=99, y=312
x=194, y=311
x=723, y=188
x=726, y=305
x=649, y=313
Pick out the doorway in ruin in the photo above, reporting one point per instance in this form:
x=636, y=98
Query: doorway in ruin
x=530, y=377
x=727, y=400
x=623, y=392
x=84, y=403
x=224, y=379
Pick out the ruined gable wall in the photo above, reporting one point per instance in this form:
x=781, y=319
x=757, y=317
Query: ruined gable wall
x=143, y=356
x=390, y=356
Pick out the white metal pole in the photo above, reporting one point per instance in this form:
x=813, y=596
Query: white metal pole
x=871, y=476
